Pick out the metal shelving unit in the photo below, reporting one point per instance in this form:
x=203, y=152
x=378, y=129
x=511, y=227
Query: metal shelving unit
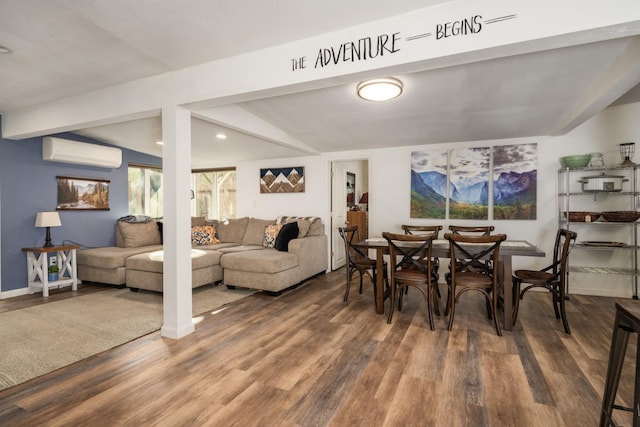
x=565, y=195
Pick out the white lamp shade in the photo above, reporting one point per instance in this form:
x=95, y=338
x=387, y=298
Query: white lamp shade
x=48, y=219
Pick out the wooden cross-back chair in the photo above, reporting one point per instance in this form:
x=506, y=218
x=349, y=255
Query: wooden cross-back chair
x=476, y=269
x=358, y=261
x=411, y=260
x=552, y=278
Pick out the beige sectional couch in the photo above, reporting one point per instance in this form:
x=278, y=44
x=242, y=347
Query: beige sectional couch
x=239, y=257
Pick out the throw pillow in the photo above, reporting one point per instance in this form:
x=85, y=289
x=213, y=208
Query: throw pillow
x=203, y=235
x=287, y=233
x=270, y=234
x=303, y=226
x=137, y=234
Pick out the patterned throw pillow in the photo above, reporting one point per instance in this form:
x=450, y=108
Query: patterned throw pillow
x=203, y=235
x=270, y=233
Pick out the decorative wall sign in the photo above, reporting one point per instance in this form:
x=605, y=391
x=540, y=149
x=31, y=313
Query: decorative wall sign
x=515, y=181
x=82, y=193
x=282, y=180
x=368, y=46
x=429, y=184
x=469, y=183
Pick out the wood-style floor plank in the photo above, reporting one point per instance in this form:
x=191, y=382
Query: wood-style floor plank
x=306, y=358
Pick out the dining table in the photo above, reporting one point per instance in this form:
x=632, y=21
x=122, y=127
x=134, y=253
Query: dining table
x=440, y=249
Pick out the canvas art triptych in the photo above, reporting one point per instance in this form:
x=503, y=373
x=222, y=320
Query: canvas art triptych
x=463, y=182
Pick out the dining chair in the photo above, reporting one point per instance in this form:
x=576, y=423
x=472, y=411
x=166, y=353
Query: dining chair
x=422, y=230
x=358, y=261
x=411, y=260
x=475, y=269
x=552, y=278
x=466, y=230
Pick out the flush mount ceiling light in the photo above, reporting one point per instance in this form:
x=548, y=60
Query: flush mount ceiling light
x=221, y=136
x=4, y=49
x=379, y=89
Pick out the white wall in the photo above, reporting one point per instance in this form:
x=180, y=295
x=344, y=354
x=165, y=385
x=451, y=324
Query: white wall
x=389, y=191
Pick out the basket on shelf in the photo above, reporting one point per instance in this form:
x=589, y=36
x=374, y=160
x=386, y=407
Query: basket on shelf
x=578, y=216
x=621, y=216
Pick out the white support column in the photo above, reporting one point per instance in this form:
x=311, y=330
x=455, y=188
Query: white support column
x=176, y=180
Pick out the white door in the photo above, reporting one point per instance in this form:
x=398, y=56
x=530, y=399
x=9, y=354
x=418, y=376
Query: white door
x=338, y=213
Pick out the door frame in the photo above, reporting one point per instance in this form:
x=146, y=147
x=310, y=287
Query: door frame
x=361, y=177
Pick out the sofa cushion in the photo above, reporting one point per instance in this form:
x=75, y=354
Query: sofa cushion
x=197, y=221
x=254, y=235
x=288, y=232
x=154, y=261
x=203, y=235
x=137, y=234
x=315, y=228
x=303, y=226
x=232, y=230
x=270, y=234
x=266, y=261
x=110, y=257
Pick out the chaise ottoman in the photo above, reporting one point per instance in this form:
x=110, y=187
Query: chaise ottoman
x=145, y=271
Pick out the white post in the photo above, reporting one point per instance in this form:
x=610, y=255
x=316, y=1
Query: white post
x=176, y=182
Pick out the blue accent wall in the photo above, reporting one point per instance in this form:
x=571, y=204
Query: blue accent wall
x=28, y=186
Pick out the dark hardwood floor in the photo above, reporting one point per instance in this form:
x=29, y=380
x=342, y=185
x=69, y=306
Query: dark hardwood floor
x=308, y=359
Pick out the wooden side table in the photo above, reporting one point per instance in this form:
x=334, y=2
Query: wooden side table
x=38, y=264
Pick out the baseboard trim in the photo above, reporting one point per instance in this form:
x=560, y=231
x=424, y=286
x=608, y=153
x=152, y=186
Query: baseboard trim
x=14, y=293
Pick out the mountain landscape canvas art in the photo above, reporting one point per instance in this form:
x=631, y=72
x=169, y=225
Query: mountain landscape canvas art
x=469, y=183
x=515, y=179
x=282, y=180
x=429, y=184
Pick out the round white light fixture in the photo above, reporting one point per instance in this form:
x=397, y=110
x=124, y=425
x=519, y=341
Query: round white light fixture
x=160, y=142
x=379, y=89
x=4, y=49
x=221, y=136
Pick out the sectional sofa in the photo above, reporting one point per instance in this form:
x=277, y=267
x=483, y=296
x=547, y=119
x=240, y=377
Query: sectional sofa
x=245, y=252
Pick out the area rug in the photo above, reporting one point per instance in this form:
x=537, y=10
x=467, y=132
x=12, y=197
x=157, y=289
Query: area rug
x=46, y=337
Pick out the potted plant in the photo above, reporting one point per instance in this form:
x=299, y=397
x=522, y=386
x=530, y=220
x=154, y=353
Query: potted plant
x=53, y=273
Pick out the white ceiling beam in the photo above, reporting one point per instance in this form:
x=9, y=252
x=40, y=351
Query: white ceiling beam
x=621, y=76
x=237, y=118
x=508, y=28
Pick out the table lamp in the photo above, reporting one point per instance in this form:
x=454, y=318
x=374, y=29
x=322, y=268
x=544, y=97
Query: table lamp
x=364, y=200
x=48, y=219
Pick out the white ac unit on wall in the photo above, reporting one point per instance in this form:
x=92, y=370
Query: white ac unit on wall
x=81, y=153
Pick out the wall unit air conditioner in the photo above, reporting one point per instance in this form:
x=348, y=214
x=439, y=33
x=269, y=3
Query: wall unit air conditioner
x=81, y=153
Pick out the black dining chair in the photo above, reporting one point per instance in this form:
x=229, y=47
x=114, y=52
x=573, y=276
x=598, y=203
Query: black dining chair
x=476, y=269
x=552, y=278
x=358, y=261
x=410, y=256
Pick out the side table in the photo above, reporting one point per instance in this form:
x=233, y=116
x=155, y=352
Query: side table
x=38, y=263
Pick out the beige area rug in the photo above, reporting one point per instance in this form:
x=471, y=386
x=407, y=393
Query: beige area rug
x=43, y=338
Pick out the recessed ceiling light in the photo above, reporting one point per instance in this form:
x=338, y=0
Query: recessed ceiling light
x=380, y=89
x=159, y=142
x=4, y=49
x=221, y=136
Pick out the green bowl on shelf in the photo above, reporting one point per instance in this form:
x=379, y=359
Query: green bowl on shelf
x=577, y=161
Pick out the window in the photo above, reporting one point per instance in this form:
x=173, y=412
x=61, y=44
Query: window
x=213, y=192
x=145, y=191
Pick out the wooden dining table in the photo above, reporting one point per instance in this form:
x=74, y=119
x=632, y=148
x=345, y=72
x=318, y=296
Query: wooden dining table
x=508, y=249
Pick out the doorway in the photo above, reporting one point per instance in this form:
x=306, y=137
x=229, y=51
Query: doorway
x=349, y=182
